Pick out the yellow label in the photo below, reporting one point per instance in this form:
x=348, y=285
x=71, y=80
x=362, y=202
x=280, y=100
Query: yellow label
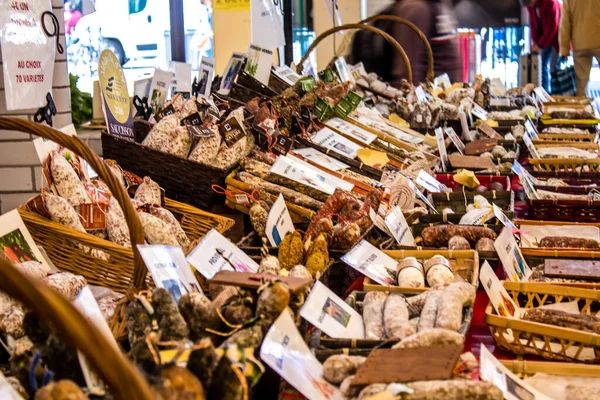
x=114, y=86
x=231, y=5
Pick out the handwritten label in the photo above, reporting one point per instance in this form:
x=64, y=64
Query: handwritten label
x=399, y=228
x=279, y=222
x=439, y=137
x=372, y=262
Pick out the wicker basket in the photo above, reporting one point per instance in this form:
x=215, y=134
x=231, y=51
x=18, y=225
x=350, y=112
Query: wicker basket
x=464, y=263
x=116, y=273
x=484, y=180
x=324, y=346
x=565, y=164
x=547, y=341
x=525, y=368
x=118, y=372
x=571, y=178
x=457, y=201
x=564, y=137
x=564, y=210
x=336, y=29
x=183, y=180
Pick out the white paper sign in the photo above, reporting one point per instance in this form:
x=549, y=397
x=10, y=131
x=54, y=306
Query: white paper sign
x=478, y=111
x=266, y=22
x=234, y=65
x=161, y=82
x=541, y=94
x=205, y=75
x=27, y=52
x=399, y=228
x=302, y=172
x=510, y=255
x=323, y=160
x=343, y=70
x=182, y=77
x=334, y=13
x=429, y=182
x=421, y=195
x=287, y=74
x=279, y=222
x=206, y=256
x=336, y=142
x=88, y=307
x=284, y=350
x=259, y=62
x=348, y=129
x=513, y=388
x=439, y=137
x=460, y=146
x=497, y=87
x=372, y=262
x=6, y=390
x=530, y=147
x=169, y=269
x=498, y=213
x=327, y=312
x=499, y=297
x=531, y=129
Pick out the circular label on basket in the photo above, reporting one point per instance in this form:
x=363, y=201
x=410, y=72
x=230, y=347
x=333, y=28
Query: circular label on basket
x=116, y=105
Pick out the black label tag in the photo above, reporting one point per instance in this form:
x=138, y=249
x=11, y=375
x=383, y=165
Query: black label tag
x=193, y=119
x=282, y=145
x=231, y=131
x=165, y=112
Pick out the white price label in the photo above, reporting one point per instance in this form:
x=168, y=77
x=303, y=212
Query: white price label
x=421, y=195
x=372, y=262
x=279, y=222
x=530, y=147
x=479, y=112
x=429, y=182
x=439, y=136
x=460, y=146
x=421, y=98
x=498, y=213
x=399, y=228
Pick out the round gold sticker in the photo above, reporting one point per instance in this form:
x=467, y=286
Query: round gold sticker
x=113, y=86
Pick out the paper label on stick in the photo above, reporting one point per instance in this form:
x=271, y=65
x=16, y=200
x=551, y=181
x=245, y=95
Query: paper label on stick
x=460, y=146
x=511, y=257
x=439, y=137
x=304, y=173
x=336, y=142
x=284, y=350
x=542, y=94
x=327, y=312
x=421, y=195
x=503, y=102
x=321, y=159
x=531, y=129
x=259, y=62
x=234, y=65
x=442, y=81
x=499, y=297
x=182, y=77
x=205, y=75
x=429, y=182
x=159, y=88
x=372, y=262
x=279, y=222
x=498, y=213
x=169, y=269
x=287, y=74
x=266, y=23
x=343, y=70
x=511, y=385
x=207, y=256
x=479, y=112
x=355, y=132
x=399, y=228
x=530, y=147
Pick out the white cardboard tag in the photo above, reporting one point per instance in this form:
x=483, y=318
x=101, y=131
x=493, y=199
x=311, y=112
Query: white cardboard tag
x=372, y=262
x=399, y=228
x=511, y=257
x=279, y=222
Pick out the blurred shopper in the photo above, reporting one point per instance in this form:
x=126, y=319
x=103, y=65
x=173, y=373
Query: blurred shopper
x=580, y=27
x=544, y=19
x=437, y=22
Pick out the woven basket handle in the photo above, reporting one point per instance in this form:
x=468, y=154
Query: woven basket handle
x=335, y=29
x=118, y=373
x=430, y=73
x=77, y=146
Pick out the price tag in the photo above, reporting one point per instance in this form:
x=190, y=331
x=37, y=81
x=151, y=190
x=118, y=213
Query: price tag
x=231, y=131
x=286, y=352
x=216, y=253
x=500, y=102
x=429, y=182
x=164, y=112
x=439, y=136
x=530, y=147
x=499, y=297
x=527, y=180
x=531, y=129
x=510, y=255
x=460, y=146
x=541, y=94
x=421, y=195
x=332, y=315
x=242, y=199
x=282, y=145
x=399, y=228
x=169, y=269
x=279, y=222
x=498, y=213
x=372, y=262
x=421, y=98
x=479, y=112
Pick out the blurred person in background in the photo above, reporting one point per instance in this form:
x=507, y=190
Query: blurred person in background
x=544, y=19
x=438, y=23
x=580, y=28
